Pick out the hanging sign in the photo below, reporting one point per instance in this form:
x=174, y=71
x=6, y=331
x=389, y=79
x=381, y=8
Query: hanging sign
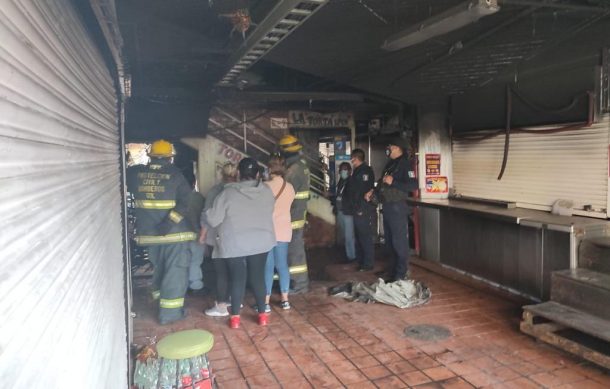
x=433, y=164
x=437, y=185
x=279, y=123
x=306, y=119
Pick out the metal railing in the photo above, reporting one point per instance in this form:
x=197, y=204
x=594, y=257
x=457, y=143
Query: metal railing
x=318, y=183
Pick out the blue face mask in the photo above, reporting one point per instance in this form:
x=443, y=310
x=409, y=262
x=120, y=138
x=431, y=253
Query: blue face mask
x=344, y=174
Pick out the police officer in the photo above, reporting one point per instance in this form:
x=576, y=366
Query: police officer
x=360, y=184
x=161, y=200
x=297, y=174
x=393, y=190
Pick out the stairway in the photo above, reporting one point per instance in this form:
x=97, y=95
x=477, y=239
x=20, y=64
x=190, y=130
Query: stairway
x=577, y=319
x=245, y=135
x=251, y=139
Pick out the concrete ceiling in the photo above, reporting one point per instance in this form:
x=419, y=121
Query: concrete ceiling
x=183, y=45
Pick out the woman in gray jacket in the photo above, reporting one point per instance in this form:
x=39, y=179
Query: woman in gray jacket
x=242, y=215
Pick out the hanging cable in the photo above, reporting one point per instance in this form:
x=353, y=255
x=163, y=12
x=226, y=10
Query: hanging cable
x=477, y=137
x=509, y=108
x=548, y=110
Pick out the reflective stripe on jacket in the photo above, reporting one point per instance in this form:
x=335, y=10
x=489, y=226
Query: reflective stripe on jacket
x=161, y=196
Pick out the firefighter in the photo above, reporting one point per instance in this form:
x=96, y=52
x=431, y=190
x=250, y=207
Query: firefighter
x=297, y=174
x=161, y=200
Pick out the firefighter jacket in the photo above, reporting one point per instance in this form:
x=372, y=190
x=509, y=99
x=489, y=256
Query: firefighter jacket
x=297, y=174
x=401, y=169
x=161, y=203
x=361, y=181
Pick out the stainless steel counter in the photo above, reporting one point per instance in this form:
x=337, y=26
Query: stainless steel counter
x=516, y=215
x=512, y=248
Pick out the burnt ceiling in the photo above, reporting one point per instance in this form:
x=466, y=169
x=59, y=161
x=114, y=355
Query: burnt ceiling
x=182, y=47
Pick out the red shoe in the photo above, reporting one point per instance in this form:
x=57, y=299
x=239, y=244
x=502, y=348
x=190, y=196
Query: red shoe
x=234, y=322
x=263, y=319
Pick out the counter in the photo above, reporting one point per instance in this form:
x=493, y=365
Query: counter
x=514, y=248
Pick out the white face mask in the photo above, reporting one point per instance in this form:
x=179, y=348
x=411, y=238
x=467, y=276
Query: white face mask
x=388, y=151
x=344, y=174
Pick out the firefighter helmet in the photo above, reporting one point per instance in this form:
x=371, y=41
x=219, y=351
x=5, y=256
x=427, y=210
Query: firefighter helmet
x=290, y=144
x=161, y=149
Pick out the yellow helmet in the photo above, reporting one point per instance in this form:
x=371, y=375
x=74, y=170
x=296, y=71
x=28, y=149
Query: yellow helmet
x=290, y=143
x=161, y=149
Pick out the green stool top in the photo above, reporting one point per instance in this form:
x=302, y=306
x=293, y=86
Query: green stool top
x=185, y=344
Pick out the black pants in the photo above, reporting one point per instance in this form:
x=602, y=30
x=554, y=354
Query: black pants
x=396, y=231
x=221, y=268
x=250, y=268
x=363, y=232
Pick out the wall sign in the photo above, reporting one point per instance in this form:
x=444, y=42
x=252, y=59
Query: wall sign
x=433, y=164
x=279, y=123
x=437, y=185
x=306, y=119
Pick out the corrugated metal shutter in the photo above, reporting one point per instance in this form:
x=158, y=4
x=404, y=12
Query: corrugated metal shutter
x=62, y=311
x=541, y=168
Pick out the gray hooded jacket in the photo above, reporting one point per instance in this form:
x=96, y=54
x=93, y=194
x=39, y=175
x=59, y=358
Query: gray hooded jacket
x=243, y=217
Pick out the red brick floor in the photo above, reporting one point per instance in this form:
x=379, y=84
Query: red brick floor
x=326, y=342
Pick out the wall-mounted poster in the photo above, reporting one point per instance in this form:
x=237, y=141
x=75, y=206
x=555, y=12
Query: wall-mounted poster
x=437, y=185
x=433, y=164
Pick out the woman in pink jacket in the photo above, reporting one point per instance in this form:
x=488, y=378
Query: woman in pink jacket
x=278, y=256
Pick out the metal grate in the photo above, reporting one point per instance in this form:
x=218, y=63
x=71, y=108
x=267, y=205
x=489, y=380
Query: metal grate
x=280, y=23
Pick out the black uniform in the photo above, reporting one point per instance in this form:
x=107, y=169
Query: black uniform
x=359, y=184
x=396, y=213
x=161, y=200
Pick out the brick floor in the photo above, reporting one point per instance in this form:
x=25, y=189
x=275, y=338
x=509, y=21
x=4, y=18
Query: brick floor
x=326, y=342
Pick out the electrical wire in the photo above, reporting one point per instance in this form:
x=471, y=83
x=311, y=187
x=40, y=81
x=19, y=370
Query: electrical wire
x=544, y=109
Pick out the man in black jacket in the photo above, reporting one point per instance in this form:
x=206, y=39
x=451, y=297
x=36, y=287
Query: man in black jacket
x=360, y=184
x=393, y=190
x=343, y=209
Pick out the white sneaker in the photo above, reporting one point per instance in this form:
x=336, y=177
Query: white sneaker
x=217, y=311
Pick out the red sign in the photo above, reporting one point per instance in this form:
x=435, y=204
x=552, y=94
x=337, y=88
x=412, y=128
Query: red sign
x=433, y=164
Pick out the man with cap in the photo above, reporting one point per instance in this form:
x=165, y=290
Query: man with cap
x=398, y=179
x=161, y=201
x=361, y=183
x=297, y=174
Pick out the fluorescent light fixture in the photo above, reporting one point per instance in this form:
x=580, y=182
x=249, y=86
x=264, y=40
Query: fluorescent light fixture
x=447, y=21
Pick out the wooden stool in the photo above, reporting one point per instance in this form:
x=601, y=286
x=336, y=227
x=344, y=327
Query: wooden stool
x=184, y=361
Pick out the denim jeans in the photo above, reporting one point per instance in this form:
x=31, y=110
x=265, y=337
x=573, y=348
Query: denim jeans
x=346, y=225
x=278, y=259
x=195, y=275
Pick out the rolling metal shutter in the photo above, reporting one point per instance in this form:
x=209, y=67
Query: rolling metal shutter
x=62, y=311
x=541, y=168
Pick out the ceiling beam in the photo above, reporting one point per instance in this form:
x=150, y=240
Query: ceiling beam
x=549, y=4
x=288, y=96
x=281, y=21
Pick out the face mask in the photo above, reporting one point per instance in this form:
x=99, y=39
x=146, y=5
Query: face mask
x=344, y=174
x=388, y=152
